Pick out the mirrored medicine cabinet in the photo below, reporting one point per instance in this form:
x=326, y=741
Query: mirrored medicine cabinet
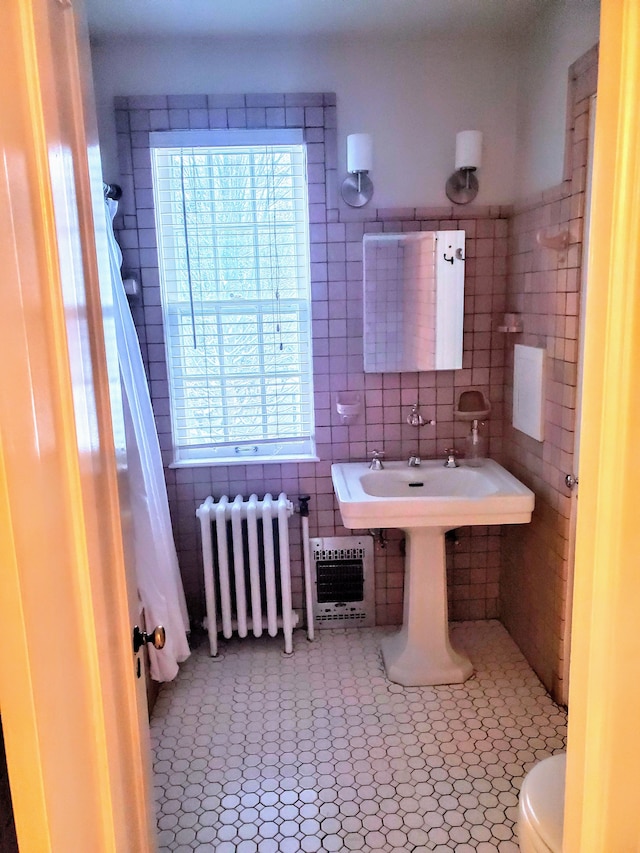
x=413, y=301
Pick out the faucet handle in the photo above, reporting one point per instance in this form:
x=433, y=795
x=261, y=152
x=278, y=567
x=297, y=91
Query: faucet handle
x=451, y=462
x=376, y=459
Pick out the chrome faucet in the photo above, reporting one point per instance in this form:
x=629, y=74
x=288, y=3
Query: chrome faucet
x=451, y=462
x=414, y=462
x=414, y=418
x=376, y=460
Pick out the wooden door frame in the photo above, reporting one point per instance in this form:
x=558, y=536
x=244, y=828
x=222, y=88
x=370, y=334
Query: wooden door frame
x=77, y=745
x=604, y=741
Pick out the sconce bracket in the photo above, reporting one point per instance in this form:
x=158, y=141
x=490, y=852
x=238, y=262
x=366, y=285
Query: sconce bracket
x=462, y=187
x=357, y=189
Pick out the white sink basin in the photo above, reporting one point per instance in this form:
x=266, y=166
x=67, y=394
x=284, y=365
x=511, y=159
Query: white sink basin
x=425, y=502
x=399, y=481
x=429, y=496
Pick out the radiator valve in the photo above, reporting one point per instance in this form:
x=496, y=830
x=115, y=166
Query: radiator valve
x=303, y=507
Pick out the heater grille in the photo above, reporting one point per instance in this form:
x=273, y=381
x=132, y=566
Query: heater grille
x=344, y=581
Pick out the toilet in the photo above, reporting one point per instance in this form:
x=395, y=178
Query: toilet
x=541, y=807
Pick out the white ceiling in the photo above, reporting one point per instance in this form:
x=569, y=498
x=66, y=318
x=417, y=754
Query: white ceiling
x=253, y=18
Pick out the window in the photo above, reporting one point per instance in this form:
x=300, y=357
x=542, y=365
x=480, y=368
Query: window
x=233, y=244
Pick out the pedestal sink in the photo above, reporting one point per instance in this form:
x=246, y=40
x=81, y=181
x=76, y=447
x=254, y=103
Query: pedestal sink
x=425, y=502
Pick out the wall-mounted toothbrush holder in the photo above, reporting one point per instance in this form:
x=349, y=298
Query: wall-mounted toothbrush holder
x=348, y=406
x=415, y=419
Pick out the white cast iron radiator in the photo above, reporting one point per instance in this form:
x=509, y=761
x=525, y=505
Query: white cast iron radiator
x=247, y=572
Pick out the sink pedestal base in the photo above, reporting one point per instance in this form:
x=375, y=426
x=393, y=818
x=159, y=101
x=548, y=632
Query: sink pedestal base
x=420, y=654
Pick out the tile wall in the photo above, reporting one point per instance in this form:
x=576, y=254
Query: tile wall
x=544, y=289
x=336, y=276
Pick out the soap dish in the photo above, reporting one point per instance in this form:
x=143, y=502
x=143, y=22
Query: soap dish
x=472, y=406
x=348, y=405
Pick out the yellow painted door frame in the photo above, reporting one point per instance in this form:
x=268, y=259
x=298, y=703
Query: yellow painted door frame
x=602, y=805
x=76, y=739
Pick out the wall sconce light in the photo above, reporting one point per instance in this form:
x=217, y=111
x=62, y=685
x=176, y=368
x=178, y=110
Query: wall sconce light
x=462, y=187
x=357, y=188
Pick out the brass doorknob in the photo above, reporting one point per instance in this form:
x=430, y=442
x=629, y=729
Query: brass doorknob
x=157, y=638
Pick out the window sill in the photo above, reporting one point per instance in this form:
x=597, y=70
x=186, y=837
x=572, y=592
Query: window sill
x=218, y=463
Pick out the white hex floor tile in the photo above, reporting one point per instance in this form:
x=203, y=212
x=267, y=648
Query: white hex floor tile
x=263, y=753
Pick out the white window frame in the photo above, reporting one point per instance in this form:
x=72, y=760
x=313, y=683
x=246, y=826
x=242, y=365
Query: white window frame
x=240, y=452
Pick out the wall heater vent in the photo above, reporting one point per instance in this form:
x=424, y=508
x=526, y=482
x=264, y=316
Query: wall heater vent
x=344, y=581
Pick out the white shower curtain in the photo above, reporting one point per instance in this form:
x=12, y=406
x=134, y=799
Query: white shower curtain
x=158, y=575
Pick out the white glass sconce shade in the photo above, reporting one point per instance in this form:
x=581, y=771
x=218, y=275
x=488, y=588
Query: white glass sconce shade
x=468, y=149
x=359, y=152
x=462, y=187
x=357, y=187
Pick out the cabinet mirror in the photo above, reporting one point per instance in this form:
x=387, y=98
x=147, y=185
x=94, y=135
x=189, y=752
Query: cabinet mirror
x=413, y=301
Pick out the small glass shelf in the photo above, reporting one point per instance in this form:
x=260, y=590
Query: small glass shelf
x=511, y=323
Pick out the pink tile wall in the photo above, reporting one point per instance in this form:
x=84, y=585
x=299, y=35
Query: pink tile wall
x=544, y=288
x=336, y=280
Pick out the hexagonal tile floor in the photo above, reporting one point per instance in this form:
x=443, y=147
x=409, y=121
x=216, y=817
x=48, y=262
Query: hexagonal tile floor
x=263, y=753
